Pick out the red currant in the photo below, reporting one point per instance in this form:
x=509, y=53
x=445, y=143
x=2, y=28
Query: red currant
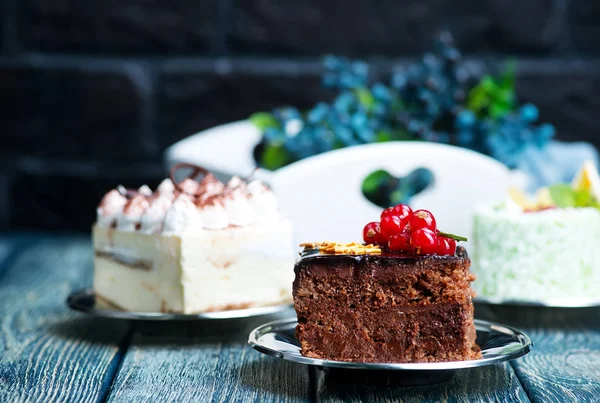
x=402, y=210
x=391, y=225
x=452, y=249
x=400, y=243
x=443, y=246
x=371, y=233
x=424, y=241
x=422, y=219
x=387, y=212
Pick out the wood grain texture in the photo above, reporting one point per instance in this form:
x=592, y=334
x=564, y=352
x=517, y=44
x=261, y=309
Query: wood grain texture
x=204, y=362
x=49, y=353
x=199, y=363
x=564, y=365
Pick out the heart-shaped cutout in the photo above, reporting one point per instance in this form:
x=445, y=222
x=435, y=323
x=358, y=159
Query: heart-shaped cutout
x=385, y=190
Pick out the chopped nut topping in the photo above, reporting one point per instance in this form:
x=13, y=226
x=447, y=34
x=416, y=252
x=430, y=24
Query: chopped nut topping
x=352, y=248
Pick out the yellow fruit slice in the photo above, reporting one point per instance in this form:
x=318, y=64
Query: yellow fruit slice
x=521, y=199
x=588, y=179
x=543, y=199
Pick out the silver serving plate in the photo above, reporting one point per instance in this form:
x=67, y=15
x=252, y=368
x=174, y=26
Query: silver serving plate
x=548, y=303
x=86, y=302
x=498, y=343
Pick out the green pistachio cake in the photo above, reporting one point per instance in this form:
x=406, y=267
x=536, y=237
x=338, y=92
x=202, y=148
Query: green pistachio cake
x=547, y=251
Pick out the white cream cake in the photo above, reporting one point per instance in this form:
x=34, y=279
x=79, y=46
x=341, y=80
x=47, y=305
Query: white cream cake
x=540, y=252
x=192, y=247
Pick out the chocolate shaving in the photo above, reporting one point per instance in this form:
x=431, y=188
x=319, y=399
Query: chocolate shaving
x=196, y=170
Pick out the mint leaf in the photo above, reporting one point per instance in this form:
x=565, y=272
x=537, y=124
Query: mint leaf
x=563, y=195
x=583, y=198
x=263, y=120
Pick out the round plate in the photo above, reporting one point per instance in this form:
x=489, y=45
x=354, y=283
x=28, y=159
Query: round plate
x=550, y=303
x=498, y=343
x=85, y=301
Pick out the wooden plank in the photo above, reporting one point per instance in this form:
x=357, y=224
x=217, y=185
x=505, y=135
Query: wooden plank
x=47, y=352
x=203, y=362
x=166, y=364
x=564, y=365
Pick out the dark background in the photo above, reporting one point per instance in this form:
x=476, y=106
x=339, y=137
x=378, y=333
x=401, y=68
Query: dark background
x=92, y=91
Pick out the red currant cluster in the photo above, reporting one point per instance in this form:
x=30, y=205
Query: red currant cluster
x=412, y=232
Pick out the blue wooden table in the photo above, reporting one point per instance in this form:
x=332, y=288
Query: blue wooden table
x=49, y=353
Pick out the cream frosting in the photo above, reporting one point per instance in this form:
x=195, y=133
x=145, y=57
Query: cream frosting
x=132, y=213
x=188, y=206
x=154, y=216
x=110, y=208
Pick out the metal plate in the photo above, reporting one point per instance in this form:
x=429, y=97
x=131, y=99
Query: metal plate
x=85, y=301
x=498, y=343
x=549, y=303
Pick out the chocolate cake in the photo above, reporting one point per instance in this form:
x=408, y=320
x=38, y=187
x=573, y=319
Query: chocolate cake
x=365, y=304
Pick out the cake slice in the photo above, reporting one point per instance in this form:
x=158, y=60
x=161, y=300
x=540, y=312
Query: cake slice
x=192, y=247
x=386, y=302
x=541, y=249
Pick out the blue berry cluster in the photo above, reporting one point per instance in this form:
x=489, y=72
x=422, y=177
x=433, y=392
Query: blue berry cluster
x=436, y=99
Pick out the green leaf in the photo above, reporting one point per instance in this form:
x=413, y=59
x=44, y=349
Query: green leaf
x=404, y=135
x=274, y=157
x=563, y=195
x=365, y=97
x=493, y=97
x=452, y=236
x=487, y=84
x=583, y=198
x=507, y=80
x=397, y=135
x=263, y=120
x=383, y=136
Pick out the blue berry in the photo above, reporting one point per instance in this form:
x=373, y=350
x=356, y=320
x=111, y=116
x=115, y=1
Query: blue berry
x=398, y=80
x=529, y=113
x=359, y=120
x=465, y=119
x=317, y=113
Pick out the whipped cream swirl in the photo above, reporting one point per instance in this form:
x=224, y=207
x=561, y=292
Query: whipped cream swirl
x=188, y=206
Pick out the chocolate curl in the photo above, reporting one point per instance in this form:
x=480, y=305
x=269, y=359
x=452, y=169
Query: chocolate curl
x=196, y=170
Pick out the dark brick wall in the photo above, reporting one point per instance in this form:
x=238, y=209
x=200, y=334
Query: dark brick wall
x=124, y=26
x=91, y=92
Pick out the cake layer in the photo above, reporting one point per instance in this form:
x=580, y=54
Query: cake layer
x=385, y=280
x=537, y=256
x=208, y=270
x=385, y=308
x=432, y=333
